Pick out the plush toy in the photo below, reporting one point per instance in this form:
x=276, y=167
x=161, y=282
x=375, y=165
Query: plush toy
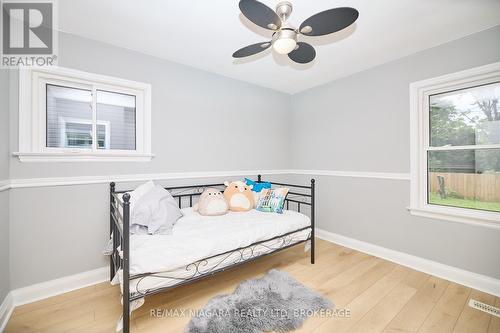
x=239, y=196
x=211, y=203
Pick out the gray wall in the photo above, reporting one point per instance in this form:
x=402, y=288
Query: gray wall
x=200, y=122
x=361, y=123
x=4, y=174
x=4, y=245
x=4, y=123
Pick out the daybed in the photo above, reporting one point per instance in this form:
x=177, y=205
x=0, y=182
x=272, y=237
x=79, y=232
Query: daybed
x=200, y=245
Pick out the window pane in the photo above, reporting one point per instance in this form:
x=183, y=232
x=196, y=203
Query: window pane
x=465, y=178
x=115, y=120
x=69, y=117
x=466, y=117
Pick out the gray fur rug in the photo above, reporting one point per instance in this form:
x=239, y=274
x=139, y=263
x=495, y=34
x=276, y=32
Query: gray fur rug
x=276, y=302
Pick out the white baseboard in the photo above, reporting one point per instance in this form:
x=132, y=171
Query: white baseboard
x=473, y=280
x=59, y=286
x=6, y=309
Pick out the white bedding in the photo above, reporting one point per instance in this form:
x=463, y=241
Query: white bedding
x=173, y=277
x=196, y=237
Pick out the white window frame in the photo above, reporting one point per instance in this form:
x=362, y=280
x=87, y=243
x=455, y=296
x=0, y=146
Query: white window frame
x=419, y=132
x=32, y=115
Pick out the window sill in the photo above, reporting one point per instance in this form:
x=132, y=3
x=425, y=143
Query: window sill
x=453, y=214
x=82, y=157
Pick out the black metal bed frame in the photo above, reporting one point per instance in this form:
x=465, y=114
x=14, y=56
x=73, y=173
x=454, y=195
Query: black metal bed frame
x=120, y=227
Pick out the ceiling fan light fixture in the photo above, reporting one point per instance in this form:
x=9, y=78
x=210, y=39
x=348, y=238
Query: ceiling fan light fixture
x=284, y=45
x=284, y=41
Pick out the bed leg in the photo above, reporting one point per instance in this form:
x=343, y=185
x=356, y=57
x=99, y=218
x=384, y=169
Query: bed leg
x=111, y=227
x=126, y=263
x=313, y=227
x=312, y=249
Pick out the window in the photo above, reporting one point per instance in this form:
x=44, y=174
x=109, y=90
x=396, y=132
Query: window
x=455, y=130
x=68, y=115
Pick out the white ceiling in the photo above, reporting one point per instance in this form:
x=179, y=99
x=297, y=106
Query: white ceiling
x=205, y=33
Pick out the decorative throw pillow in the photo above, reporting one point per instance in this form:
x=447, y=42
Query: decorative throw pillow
x=257, y=189
x=272, y=200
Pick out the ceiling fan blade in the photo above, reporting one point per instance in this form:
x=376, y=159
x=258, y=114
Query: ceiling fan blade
x=260, y=14
x=303, y=54
x=329, y=21
x=251, y=50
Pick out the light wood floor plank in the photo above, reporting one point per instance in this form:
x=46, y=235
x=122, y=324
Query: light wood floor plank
x=413, y=315
x=380, y=295
x=365, y=302
x=344, y=295
x=445, y=314
x=369, y=269
x=472, y=320
x=379, y=317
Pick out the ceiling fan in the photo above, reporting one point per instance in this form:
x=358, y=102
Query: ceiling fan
x=284, y=38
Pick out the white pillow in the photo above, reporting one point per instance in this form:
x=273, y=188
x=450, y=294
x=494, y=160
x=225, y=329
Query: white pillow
x=157, y=210
x=139, y=192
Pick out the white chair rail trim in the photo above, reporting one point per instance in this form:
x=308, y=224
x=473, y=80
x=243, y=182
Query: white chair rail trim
x=353, y=174
x=84, y=180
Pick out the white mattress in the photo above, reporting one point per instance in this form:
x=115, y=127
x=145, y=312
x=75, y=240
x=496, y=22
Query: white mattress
x=196, y=237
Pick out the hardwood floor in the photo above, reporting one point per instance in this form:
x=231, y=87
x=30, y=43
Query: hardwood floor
x=380, y=295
